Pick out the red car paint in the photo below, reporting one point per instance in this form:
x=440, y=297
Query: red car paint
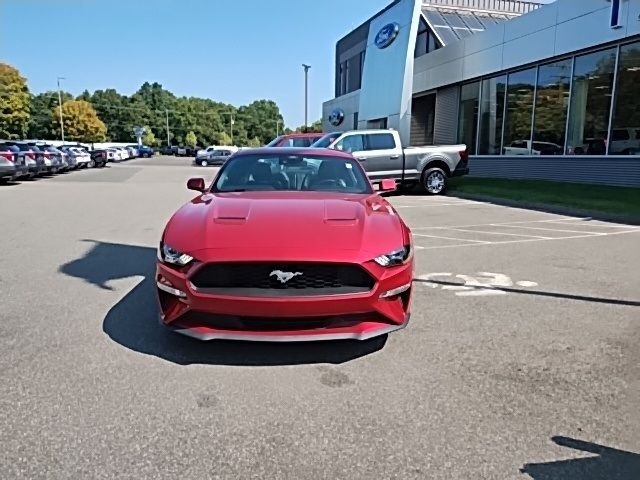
x=312, y=229
x=295, y=140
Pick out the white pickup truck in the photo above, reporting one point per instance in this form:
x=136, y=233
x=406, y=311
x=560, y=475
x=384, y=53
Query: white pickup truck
x=382, y=155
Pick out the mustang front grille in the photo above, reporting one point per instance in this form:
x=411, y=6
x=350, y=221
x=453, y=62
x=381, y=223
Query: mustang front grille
x=282, y=279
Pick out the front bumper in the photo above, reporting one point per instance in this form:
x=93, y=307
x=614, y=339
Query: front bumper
x=358, y=316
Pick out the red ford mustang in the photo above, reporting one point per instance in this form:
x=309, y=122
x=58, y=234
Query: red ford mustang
x=286, y=245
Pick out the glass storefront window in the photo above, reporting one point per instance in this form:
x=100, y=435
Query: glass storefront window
x=491, y=115
x=591, y=103
x=552, y=102
x=517, y=127
x=624, y=138
x=468, y=117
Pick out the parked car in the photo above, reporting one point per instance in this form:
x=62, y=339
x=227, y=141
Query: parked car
x=295, y=140
x=181, y=151
x=58, y=154
x=33, y=159
x=210, y=148
x=12, y=164
x=326, y=140
x=527, y=147
x=79, y=157
x=214, y=157
x=145, y=152
x=303, y=250
x=167, y=150
x=99, y=158
x=383, y=157
x=133, y=151
x=52, y=158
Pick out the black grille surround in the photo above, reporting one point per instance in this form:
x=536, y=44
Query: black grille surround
x=277, y=279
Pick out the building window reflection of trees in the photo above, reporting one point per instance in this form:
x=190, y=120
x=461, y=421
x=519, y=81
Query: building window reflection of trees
x=517, y=127
x=624, y=138
x=591, y=103
x=552, y=102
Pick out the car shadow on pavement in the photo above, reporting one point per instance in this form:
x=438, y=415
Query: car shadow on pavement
x=609, y=463
x=133, y=321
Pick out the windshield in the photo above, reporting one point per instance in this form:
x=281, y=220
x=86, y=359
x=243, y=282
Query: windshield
x=325, y=141
x=275, y=141
x=292, y=173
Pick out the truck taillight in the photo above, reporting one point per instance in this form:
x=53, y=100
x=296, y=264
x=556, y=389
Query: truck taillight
x=464, y=156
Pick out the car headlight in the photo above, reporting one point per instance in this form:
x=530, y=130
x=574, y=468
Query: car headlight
x=394, y=258
x=172, y=256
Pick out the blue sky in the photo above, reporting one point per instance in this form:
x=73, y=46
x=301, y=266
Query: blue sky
x=234, y=51
x=228, y=50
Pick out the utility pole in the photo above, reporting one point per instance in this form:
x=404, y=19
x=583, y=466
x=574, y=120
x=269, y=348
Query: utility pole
x=231, y=122
x=306, y=96
x=168, y=141
x=60, y=104
x=278, y=128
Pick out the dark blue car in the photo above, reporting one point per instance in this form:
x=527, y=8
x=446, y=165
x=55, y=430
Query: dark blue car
x=145, y=152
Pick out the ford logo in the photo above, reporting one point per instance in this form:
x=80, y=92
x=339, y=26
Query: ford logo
x=336, y=117
x=387, y=35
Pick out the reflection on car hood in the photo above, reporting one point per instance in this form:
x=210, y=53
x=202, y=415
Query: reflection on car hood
x=309, y=221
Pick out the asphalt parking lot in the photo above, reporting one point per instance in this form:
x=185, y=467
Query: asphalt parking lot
x=521, y=360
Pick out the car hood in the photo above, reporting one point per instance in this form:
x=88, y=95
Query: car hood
x=309, y=222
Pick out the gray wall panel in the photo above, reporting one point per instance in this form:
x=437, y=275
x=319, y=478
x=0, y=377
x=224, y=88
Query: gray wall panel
x=445, y=130
x=615, y=171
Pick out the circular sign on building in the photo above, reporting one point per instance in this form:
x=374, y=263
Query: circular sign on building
x=387, y=35
x=336, y=117
x=139, y=131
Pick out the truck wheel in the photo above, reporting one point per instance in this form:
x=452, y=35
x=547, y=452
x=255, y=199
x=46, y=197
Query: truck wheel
x=434, y=181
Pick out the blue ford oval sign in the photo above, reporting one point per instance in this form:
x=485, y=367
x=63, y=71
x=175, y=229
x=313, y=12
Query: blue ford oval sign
x=336, y=117
x=387, y=35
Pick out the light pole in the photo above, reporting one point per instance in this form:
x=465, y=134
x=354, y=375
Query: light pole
x=306, y=95
x=168, y=141
x=60, y=104
x=277, y=128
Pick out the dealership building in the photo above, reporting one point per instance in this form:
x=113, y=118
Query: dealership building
x=538, y=91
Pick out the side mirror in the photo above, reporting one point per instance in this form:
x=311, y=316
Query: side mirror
x=388, y=185
x=196, y=184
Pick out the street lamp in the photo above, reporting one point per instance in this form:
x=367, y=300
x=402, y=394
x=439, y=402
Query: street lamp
x=306, y=95
x=278, y=122
x=60, y=104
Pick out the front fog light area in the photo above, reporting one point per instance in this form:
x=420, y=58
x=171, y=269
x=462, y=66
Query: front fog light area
x=396, y=291
x=165, y=286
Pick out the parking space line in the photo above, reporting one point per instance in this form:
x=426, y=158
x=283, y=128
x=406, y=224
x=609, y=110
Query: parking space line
x=449, y=238
x=553, y=229
x=498, y=233
x=484, y=224
x=432, y=205
x=506, y=242
x=599, y=225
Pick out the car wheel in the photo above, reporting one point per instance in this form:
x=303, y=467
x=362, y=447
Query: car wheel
x=91, y=164
x=204, y=163
x=434, y=181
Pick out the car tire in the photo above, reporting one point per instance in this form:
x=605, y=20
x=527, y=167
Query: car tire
x=91, y=164
x=204, y=163
x=434, y=181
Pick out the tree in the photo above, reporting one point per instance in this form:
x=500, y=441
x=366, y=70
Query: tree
x=41, y=106
x=222, y=138
x=255, y=142
x=149, y=138
x=81, y=123
x=260, y=119
x=315, y=127
x=14, y=103
x=190, y=139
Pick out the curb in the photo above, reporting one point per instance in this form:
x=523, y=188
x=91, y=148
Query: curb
x=543, y=207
